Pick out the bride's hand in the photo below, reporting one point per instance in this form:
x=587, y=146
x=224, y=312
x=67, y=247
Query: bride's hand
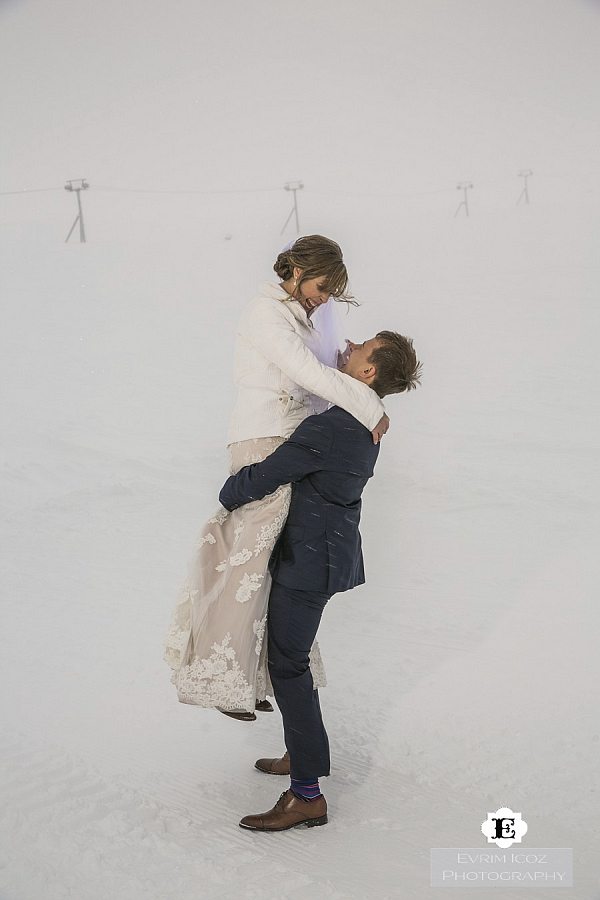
x=381, y=428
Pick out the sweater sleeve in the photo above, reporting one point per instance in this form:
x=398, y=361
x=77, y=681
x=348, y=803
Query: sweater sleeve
x=270, y=332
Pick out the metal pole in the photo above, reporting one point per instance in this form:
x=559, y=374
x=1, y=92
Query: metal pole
x=463, y=186
x=287, y=220
x=81, y=226
x=296, y=211
x=524, y=174
x=83, y=185
x=72, y=229
x=293, y=186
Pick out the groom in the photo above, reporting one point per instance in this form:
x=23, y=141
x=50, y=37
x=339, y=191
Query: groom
x=329, y=459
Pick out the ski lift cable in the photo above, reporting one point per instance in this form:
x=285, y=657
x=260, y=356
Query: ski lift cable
x=124, y=190
x=29, y=191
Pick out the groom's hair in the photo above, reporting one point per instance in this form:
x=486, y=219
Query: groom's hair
x=395, y=360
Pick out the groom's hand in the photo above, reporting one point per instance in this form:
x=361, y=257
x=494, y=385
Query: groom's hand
x=380, y=429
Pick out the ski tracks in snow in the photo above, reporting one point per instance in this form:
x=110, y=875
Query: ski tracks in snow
x=69, y=833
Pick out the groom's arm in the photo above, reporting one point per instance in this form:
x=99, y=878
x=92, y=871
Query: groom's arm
x=302, y=454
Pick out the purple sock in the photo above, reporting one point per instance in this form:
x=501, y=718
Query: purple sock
x=306, y=789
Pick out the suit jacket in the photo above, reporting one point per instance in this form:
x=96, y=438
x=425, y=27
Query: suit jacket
x=328, y=459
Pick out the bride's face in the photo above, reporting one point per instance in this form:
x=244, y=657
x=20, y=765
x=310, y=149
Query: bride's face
x=312, y=294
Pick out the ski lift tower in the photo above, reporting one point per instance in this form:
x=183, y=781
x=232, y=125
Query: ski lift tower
x=78, y=185
x=524, y=174
x=293, y=186
x=463, y=186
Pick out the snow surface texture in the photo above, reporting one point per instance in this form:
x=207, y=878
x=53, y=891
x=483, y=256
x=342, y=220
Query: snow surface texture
x=463, y=676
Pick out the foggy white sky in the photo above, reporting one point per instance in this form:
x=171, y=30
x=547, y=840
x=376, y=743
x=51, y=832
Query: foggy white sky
x=361, y=96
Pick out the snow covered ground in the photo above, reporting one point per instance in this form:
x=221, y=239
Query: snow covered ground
x=463, y=676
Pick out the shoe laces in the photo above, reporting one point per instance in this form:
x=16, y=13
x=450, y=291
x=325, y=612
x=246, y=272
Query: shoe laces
x=279, y=803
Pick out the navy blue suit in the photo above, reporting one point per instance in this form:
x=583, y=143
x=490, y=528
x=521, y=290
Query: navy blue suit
x=328, y=459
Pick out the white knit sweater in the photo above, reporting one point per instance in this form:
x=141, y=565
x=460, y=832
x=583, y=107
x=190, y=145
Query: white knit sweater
x=280, y=381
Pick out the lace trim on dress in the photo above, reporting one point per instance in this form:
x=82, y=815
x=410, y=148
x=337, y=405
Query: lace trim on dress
x=219, y=518
x=248, y=585
x=259, y=630
x=216, y=681
x=238, y=559
x=268, y=534
x=179, y=631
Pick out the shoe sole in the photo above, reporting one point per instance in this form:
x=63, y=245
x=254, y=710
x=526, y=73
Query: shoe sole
x=269, y=772
x=250, y=717
x=310, y=823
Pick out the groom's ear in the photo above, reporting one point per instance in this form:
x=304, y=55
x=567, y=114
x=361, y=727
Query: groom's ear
x=369, y=373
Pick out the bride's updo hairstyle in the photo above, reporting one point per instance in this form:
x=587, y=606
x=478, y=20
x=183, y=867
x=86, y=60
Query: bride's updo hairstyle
x=318, y=257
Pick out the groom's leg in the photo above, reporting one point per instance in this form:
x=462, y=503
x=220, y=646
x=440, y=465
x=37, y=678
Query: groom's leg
x=293, y=621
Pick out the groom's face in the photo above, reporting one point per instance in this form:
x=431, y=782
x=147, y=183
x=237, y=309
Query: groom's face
x=358, y=364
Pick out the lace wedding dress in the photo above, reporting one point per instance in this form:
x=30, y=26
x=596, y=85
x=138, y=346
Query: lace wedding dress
x=216, y=645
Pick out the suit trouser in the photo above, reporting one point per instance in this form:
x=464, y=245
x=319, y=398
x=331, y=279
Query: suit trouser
x=293, y=621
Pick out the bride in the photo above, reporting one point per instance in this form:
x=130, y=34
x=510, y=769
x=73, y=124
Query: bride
x=285, y=370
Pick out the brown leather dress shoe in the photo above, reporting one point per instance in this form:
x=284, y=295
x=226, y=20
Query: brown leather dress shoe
x=279, y=766
x=288, y=812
